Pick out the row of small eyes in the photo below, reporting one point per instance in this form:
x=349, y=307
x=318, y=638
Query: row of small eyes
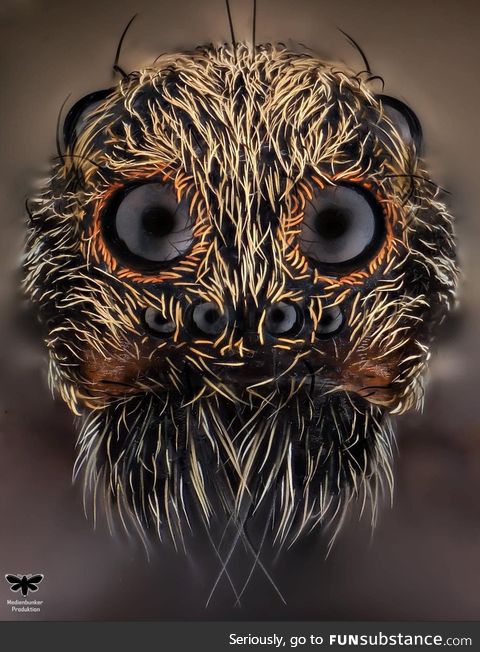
x=281, y=320
x=342, y=229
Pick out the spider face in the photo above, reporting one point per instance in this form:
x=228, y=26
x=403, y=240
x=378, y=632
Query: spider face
x=240, y=262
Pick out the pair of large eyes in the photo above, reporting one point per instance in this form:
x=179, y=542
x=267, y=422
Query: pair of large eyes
x=343, y=227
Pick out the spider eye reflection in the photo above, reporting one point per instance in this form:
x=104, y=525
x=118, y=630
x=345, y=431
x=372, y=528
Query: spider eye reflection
x=145, y=227
x=208, y=319
x=343, y=228
x=157, y=324
x=283, y=319
x=330, y=322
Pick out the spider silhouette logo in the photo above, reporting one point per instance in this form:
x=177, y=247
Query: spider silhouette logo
x=24, y=583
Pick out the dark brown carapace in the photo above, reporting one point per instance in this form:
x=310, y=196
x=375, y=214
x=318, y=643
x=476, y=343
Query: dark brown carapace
x=240, y=261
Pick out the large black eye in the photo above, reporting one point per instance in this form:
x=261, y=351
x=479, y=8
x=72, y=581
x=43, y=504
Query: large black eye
x=405, y=120
x=77, y=117
x=343, y=228
x=146, y=227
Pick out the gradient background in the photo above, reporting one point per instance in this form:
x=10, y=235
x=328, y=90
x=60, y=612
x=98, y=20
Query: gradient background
x=423, y=560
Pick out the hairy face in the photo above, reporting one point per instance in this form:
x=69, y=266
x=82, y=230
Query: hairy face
x=239, y=262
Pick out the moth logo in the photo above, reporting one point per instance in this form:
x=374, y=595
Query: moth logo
x=24, y=583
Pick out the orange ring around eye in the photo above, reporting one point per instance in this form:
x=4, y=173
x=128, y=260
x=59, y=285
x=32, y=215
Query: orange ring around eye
x=94, y=245
x=358, y=276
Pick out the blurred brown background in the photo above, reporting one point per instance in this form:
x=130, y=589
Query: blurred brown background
x=423, y=560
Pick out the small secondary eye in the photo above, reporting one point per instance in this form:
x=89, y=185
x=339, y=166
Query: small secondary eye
x=208, y=319
x=342, y=229
x=157, y=324
x=283, y=318
x=330, y=322
x=145, y=226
